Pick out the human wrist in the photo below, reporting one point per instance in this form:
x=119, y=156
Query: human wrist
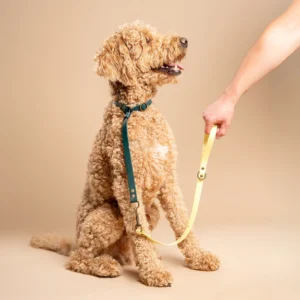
x=230, y=96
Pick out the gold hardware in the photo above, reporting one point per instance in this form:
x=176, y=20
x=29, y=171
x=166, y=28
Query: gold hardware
x=201, y=176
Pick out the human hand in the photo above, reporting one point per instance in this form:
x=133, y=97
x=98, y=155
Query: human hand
x=219, y=113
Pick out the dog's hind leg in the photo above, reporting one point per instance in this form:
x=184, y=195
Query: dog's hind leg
x=101, y=228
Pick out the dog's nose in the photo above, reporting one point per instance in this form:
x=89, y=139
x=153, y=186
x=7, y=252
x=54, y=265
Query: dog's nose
x=183, y=42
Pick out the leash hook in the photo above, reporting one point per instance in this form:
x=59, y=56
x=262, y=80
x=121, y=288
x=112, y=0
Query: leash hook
x=138, y=225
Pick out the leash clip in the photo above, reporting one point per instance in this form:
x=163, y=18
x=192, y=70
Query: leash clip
x=138, y=226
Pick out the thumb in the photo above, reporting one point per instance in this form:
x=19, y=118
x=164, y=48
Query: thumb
x=222, y=130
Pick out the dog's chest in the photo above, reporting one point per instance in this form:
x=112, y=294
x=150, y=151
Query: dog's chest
x=152, y=148
x=159, y=151
x=156, y=152
x=150, y=137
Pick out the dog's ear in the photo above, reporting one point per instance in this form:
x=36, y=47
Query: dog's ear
x=115, y=63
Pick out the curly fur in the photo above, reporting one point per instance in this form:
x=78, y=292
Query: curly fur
x=105, y=218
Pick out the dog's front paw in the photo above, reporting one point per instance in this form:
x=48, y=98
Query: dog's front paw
x=203, y=261
x=156, y=278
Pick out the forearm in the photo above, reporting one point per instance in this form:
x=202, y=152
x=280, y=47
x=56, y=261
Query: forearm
x=278, y=41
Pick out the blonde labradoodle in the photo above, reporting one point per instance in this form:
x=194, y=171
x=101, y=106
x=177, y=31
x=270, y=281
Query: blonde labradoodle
x=136, y=60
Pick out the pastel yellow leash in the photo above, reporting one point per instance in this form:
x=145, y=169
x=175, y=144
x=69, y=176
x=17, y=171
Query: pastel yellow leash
x=201, y=175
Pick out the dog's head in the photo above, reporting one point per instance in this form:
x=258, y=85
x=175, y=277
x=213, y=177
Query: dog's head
x=137, y=55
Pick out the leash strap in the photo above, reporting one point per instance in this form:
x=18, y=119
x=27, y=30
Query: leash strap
x=201, y=175
x=128, y=163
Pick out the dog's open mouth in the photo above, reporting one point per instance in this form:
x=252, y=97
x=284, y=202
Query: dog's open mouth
x=170, y=68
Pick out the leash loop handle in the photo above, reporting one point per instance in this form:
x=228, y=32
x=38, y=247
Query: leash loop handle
x=201, y=175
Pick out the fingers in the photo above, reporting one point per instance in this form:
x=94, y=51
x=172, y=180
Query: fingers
x=218, y=113
x=222, y=127
x=222, y=130
x=209, y=123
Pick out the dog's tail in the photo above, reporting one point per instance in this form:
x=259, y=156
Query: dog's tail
x=53, y=242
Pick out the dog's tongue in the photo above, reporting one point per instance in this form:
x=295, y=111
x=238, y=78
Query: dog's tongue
x=176, y=65
x=180, y=67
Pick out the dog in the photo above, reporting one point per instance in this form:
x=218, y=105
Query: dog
x=136, y=60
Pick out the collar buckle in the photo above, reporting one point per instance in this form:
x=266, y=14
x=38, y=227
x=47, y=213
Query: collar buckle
x=143, y=106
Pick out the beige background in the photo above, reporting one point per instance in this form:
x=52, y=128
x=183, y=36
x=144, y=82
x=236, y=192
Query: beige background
x=51, y=108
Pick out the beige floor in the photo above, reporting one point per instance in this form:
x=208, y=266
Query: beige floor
x=258, y=262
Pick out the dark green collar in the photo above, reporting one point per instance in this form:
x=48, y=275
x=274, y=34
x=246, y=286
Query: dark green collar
x=139, y=107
